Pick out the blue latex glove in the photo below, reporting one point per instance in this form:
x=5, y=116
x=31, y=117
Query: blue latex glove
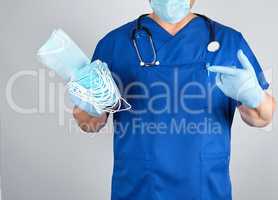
x=239, y=84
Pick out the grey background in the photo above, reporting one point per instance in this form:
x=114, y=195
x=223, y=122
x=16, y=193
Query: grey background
x=41, y=159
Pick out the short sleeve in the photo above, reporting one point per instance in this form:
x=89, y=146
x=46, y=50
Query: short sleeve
x=252, y=58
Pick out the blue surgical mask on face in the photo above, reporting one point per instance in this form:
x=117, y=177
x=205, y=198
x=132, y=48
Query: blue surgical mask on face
x=171, y=11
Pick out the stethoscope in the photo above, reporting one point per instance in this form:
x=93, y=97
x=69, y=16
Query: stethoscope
x=213, y=45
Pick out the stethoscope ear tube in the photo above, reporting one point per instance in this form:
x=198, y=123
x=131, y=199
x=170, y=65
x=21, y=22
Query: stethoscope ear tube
x=213, y=45
x=138, y=23
x=139, y=28
x=142, y=63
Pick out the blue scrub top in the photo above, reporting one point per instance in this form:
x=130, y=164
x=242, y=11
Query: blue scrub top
x=175, y=142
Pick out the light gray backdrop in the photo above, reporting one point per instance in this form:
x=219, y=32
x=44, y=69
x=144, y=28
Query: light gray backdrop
x=42, y=159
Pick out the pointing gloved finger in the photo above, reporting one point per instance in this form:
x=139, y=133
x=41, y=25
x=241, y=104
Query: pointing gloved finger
x=223, y=70
x=246, y=64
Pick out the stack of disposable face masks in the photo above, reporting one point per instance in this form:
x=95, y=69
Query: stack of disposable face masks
x=90, y=85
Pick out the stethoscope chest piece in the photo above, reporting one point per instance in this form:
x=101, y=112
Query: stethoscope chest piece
x=213, y=46
x=143, y=64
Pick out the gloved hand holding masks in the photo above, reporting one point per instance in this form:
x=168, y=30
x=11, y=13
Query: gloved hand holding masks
x=90, y=85
x=239, y=84
x=93, y=89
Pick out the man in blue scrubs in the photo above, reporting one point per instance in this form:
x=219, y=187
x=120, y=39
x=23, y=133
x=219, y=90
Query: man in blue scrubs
x=175, y=142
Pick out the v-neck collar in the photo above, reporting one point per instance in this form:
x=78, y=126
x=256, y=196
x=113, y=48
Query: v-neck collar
x=190, y=36
x=164, y=32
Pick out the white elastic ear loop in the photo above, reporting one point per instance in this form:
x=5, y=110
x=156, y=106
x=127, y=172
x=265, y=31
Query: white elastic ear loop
x=83, y=94
x=119, y=107
x=105, y=90
x=105, y=96
x=113, y=91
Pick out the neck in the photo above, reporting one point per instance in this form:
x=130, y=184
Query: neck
x=173, y=28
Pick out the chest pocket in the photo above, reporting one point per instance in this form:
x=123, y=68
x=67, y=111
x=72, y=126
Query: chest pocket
x=194, y=89
x=187, y=85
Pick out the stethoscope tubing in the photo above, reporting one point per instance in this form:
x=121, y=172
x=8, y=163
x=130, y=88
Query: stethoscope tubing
x=213, y=45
